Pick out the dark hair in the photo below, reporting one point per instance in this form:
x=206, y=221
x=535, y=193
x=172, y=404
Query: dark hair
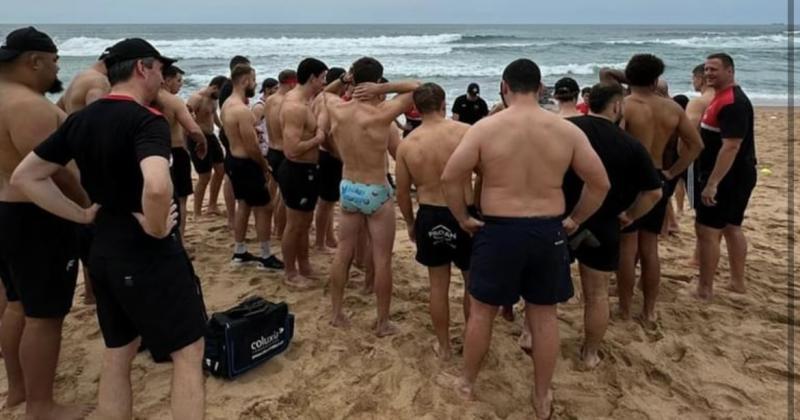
x=522, y=76
x=240, y=71
x=682, y=100
x=286, y=76
x=699, y=70
x=586, y=90
x=268, y=83
x=122, y=71
x=333, y=74
x=644, y=70
x=602, y=94
x=171, y=71
x=367, y=69
x=237, y=60
x=726, y=59
x=309, y=67
x=429, y=98
x=218, y=81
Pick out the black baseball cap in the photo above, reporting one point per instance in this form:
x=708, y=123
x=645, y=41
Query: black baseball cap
x=130, y=49
x=473, y=88
x=23, y=40
x=567, y=86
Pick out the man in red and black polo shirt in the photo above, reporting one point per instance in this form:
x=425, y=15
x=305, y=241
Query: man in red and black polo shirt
x=725, y=175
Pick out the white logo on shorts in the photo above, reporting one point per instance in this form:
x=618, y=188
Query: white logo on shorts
x=70, y=264
x=442, y=235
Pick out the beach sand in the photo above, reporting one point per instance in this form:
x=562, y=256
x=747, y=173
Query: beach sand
x=721, y=360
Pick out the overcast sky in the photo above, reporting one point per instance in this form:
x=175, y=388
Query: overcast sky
x=401, y=11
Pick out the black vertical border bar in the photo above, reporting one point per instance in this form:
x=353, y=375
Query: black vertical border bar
x=790, y=211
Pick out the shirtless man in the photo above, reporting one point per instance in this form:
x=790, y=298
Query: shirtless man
x=521, y=246
x=694, y=110
x=247, y=169
x=566, y=93
x=298, y=174
x=653, y=120
x=203, y=105
x=287, y=80
x=39, y=249
x=361, y=129
x=440, y=241
x=181, y=123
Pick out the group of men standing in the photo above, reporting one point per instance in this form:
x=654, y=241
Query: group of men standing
x=510, y=200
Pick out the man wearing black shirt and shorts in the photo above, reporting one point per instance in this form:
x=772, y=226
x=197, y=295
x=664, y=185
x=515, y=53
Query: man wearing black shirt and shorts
x=39, y=250
x=143, y=280
x=725, y=175
x=635, y=189
x=471, y=107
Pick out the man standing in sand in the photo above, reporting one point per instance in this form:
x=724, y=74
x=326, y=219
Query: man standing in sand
x=287, y=80
x=635, y=189
x=247, y=170
x=40, y=250
x=181, y=123
x=361, y=130
x=725, y=175
x=143, y=279
x=298, y=175
x=653, y=120
x=520, y=249
x=440, y=241
x=566, y=93
x=203, y=105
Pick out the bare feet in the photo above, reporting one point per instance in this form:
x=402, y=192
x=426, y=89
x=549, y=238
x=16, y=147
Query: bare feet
x=463, y=388
x=340, y=320
x=65, y=412
x=385, y=329
x=624, y=315
x=306, y=270
x=525, y=341
x=703, y=294
x=14, y=398
x=213, y=210
x=590, y=359
x=444, y=354
x=736, y=288
x=543, y=407
x=299, y=282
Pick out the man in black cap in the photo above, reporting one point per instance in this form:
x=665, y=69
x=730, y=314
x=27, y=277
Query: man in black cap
x=39, y=249
x=566, y=93
x=471, y=107
x=143, y=280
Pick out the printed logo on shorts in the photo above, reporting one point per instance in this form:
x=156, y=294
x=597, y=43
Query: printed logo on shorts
x=70, y=264
x=441, y=235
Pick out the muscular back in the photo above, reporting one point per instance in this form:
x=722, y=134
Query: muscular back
x=361, y=136
x=26, y=119
x=87, y=87
x=272, y=109
x=296, y=117
x=169, y=105
x=204, y=108
x=653, y=120
x=425, y=153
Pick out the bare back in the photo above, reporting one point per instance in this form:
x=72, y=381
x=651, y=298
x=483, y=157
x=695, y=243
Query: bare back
x=272, y=109
x=425, y=153
x=26, y=119
x=524, y=153
x=170, y=105
x=296, y=117
x=204, y=108
x=653, y=120
x=697, y=107
x=361, y=136
x=88, y=86
x=237, y=117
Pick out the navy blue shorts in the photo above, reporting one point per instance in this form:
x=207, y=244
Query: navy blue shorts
x=520, y=257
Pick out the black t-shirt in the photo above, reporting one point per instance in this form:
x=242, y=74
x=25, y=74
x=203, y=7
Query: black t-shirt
x=470, y=111
x=225, y=92
x=630, y=168
x=107, y=140
x=729, y=115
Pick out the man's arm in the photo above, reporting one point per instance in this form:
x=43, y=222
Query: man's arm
x=395, y=107
x=369, y=90
x=184, y=117
x=694, y=111
x=403, y=179
x=690, y=146
x=457, y=170
x=589, y=168
x=100, y=89
x=214, y=112
x=247, y=133
x=609, y=75
x=644, y=202
x=293, y=122
x=156, y=196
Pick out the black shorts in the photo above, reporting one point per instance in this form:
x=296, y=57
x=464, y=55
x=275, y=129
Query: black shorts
x=330, y=176
x=213, y=155
x=275, y=159
x=5, y=278
x=653, y=221
x=527, y=257
x=440, y=239
x=157, y=298
x=181, y=172
x=605, y=255
x=299, y=184
x=85, y=237
x=248, y=181
x=40, y=251
x=223, y=138
x=733, y=194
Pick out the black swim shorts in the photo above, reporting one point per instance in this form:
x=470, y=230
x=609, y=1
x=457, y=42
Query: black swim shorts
x=440, y=239
x=181, y=172
x=653, y=221
x=248, y=181
x=299, y=184
x=213, y=155
x=733, y=195
x=602, y=255
x=330, y=175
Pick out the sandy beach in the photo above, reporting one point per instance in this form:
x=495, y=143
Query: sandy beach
x=721, y=360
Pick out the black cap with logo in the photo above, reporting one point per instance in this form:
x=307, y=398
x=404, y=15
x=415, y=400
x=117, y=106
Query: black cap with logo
x=131, y=49
x=26, y=39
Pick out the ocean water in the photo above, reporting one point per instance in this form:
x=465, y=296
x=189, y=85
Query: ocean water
x=451, y=55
